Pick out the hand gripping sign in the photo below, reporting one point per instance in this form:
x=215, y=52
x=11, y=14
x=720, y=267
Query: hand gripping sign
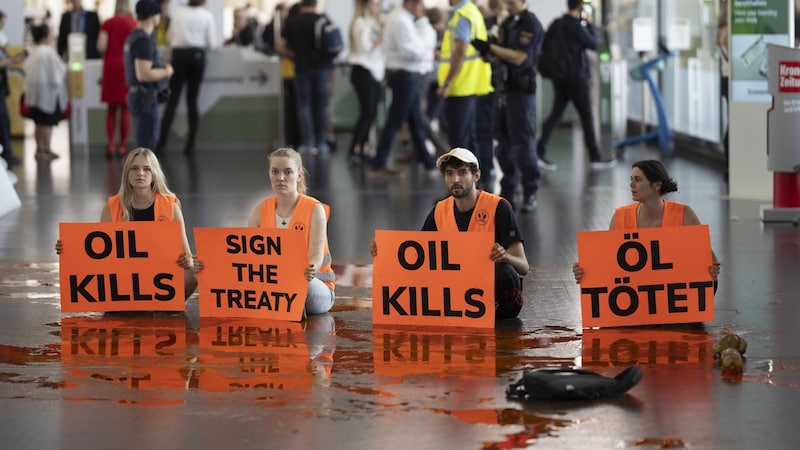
x=121, y=266
x=646, y=276
x=433, y=278
x=252, y=272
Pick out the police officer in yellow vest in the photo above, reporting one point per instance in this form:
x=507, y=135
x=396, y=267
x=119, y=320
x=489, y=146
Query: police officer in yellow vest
x=463, y=74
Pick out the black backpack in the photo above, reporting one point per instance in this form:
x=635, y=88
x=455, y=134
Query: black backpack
x=555, y=59
x=328, y=41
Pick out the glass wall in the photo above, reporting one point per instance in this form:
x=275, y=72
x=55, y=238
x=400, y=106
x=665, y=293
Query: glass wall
x=690, y=82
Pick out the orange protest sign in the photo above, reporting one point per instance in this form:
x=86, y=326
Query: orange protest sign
x=646, y=276
x=252, y=272
x=402, y=352
x=253, y=354
x=433, y=278
x=121, y=266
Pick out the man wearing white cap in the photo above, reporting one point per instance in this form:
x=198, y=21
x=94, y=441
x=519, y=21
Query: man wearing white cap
x=469, y=209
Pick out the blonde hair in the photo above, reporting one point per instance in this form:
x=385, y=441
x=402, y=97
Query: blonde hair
x=122, y=7
x=285, y=152
x=159, y=184
x=361, y=10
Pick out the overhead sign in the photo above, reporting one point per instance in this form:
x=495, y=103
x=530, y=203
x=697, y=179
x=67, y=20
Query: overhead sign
x=433, y=278
x=121, y=266
x=252, y=272
x=646, y=276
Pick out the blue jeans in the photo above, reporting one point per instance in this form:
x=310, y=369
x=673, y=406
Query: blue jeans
x=515, y=118
x=144, y=109
x=406, y=106
x=460, y=114
x=5, y=127
x=311, y=95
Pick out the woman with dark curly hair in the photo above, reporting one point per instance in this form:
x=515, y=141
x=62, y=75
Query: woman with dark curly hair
x=650, y=182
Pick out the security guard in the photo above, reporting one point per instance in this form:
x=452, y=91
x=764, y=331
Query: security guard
x=517, y=51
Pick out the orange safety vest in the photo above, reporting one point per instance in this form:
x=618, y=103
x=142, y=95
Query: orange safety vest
x=163, y=208
x=301, y=220
x=482, y=216
x=625, y=217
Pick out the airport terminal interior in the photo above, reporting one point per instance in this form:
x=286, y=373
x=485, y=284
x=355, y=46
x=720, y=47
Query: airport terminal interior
x=337, y=380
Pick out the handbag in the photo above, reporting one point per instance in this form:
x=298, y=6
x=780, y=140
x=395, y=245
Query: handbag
x=25, y=110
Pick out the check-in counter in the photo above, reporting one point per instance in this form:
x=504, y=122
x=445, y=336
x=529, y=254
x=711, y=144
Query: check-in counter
x=239, y=100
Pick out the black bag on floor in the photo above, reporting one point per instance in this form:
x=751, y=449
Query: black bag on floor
x=571, y=384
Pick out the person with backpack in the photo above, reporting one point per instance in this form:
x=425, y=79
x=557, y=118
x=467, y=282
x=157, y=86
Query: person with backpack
x=145, y=73
x=563, y=60
x=312, y=41
x=516, y=51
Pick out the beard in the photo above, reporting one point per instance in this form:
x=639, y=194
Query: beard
x=461, y=191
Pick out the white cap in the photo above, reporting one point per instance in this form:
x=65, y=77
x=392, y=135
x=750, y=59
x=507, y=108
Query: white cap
x=458, y=153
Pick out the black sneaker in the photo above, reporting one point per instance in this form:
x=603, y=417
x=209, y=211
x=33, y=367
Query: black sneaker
x=529, y=204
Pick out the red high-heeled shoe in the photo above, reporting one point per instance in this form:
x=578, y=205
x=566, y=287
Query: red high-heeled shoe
x=123, y=151
x=109, y=151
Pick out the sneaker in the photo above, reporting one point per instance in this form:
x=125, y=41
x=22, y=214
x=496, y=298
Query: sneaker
x=546, y=165
x=603, y=163
x=529, y=204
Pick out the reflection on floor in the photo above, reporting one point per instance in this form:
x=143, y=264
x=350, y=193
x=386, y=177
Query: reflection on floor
x=179, y=381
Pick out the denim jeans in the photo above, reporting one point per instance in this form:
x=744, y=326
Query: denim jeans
x=144, y=109
x=311, y=94
x=460, y=114
x=406, y=106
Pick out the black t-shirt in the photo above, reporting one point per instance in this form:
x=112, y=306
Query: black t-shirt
x=299, y=35
x=506, y=230
x=139, y=45
x=144, y=215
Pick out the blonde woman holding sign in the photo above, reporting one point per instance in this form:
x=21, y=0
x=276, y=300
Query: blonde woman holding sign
x=144, y=196
x=650, y=182
x=291, y=208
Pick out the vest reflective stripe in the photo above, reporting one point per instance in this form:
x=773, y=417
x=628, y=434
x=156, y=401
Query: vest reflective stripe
x=626, y=216
x=482, y=216
x=301, y=220
x=163, y=211
x=475, y=76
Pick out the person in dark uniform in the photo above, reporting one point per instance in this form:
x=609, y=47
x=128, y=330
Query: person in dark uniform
x=516, y=51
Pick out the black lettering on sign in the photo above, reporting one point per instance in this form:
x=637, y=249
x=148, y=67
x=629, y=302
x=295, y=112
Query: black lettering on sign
x=258, y=245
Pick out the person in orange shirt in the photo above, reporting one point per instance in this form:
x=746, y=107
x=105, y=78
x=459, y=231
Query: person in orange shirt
x=290, y=207
x=468, y=208
x=650, y=182
x=144, y=196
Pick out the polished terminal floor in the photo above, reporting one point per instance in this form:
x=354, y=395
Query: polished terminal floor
x=334, y=381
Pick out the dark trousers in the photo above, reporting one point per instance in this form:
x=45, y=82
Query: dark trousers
x=507, y=291
x=484, y=132
x=5, y=127
x=367, y=90
x=311, y=99
x=189, y=65
x=406, y=106
x=515, y=119
x=291, y=129
x=577, y=92
x=460, y=115
x=145, y=112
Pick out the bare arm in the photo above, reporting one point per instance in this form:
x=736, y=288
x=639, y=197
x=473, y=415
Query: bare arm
x=514, y=255
x=102, y=41
x=316, y=238
x=254, y=220
x=105, y=216
x=457, y=57
x=690, y=218
x=145, y=72
x=185, y=259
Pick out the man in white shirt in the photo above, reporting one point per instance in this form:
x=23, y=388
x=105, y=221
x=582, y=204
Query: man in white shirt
x=408, y=58
x=191, y=33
